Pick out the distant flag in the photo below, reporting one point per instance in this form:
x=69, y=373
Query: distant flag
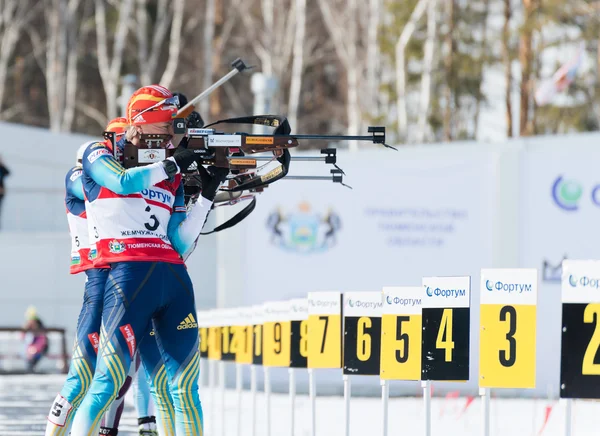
x=560, y=80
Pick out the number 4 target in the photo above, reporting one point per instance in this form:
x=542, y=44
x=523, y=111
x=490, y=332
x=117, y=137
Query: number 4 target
x=446, y=328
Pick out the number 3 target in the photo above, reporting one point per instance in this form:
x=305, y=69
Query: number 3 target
x=507, y=340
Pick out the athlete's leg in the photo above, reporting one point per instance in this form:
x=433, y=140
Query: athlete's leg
x=83, y=362
x=112, y=417
x=130, y=298
x=152, y=379
x=177, y=336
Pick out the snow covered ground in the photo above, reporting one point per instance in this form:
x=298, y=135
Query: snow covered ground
x=24, y=403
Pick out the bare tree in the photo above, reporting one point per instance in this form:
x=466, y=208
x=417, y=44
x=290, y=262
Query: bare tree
x=174, y=44
x=14, y=16
x=481, y=64
x=449, y=66
x=373, y=57
x=343, y=28
x=272, y=42
x=526, y=61
x=209, y=34
x=169, y=22
x=150, y=37
x=57, y=53
x=110, y=67
x=298, y=62
x=400, y=48
x=220, y=20
x=506, y=57
x=428, y=58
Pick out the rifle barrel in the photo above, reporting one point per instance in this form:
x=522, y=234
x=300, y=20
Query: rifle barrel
x=296, y=158
x=307, y=178
x=324, y=137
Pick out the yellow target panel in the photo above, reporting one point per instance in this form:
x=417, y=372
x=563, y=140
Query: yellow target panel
x=324, y=330
x=243, y=336
x=401, y=326
x=277, y=334
x=507, y=336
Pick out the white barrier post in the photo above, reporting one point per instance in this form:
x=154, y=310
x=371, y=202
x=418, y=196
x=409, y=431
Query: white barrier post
x=238, y=389
x=202, y=369
x=347, y=395
x=426, y=385
x=485, y=410
x=213, y=389
x=568, y=412
x=253, y=396
x=292, y=373
x=311, y=396
x=222, y=389
x=385, y=396
x=268, y=399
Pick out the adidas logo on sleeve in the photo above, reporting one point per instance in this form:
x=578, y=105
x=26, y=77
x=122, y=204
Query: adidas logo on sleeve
x=188, y=323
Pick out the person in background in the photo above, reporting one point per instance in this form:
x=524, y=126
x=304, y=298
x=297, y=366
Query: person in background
x=3, y=173
x=36, y=340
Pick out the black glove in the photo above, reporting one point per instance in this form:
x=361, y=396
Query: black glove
x=211, y=180
x=183, y=157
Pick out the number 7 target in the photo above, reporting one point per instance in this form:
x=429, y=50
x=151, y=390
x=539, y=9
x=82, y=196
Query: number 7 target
x=324, y=330
x=507, y=340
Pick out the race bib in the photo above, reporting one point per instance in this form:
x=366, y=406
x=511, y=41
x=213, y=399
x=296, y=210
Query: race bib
x=60, y=411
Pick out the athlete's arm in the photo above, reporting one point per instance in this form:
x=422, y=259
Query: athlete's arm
x=183, y=230
x=73, y=184
x=100, y=164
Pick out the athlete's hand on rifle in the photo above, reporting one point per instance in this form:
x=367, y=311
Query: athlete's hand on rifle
x=183, y=158
x=211, y=180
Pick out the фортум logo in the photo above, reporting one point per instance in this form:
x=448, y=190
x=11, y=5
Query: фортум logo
x=566, y=193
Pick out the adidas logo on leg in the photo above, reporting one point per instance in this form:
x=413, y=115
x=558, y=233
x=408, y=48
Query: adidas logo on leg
x=188, y=323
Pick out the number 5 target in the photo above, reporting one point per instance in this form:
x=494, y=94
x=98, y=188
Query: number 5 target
x=401, y=333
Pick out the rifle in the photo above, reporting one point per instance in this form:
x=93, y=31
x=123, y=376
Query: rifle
x=242, y=152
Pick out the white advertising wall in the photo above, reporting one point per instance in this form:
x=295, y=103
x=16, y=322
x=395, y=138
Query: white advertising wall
x=409, y=214
x=559, y=218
